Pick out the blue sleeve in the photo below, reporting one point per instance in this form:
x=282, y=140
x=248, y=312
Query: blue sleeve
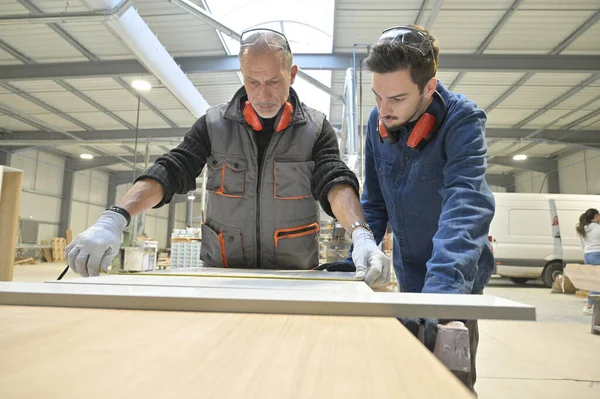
x=372, y=200
x=467, y=209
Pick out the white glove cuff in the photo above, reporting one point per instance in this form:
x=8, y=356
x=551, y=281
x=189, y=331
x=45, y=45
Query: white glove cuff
x=361, y=234
x=114, y=219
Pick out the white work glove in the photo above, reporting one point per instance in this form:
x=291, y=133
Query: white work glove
x=95, y=248
x=372, y=265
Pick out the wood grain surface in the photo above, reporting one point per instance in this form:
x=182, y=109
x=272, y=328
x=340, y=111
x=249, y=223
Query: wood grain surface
x=96, y=353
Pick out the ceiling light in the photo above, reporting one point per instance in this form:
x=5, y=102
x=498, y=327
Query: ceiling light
x=191, y=197
x=141, y=85
x=86, y=156
x=520, y=157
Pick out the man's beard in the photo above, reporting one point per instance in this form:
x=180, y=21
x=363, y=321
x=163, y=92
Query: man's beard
x=408, y=120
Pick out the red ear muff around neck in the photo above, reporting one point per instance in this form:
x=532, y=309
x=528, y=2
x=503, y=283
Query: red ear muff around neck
x=385, y=135
x=285, y=118
x=251, y=117
x=421, y=131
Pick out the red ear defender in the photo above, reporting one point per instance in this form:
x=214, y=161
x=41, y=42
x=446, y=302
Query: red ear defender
x=283, y=119
x=251, y=118
x=384, y=134
x=421, y=131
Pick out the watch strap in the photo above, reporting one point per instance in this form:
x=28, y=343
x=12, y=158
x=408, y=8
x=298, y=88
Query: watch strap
x=121, y=211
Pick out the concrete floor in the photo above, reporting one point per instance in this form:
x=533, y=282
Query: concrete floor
x=554, y=357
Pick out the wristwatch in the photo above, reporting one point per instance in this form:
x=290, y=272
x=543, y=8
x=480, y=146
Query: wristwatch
x=361, y=224
x=121, y=211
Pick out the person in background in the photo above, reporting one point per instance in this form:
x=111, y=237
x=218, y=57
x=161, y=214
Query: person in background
x=588, y=230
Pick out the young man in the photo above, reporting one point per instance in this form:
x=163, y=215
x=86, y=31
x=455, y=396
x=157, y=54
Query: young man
x=269, y=157
x=425, y=164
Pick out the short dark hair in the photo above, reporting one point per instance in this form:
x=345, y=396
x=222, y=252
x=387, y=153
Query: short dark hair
x=390, y=56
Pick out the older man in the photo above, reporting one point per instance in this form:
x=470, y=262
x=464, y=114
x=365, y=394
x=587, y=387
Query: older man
x=269, y=159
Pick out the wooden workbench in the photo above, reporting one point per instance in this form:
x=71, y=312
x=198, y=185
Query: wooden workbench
x=98, y=353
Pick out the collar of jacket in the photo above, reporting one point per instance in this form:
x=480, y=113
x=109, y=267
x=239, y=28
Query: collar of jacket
x=234, y=107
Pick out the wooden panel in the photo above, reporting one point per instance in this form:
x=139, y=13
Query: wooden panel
x=11, y=181
x=584, y=277
x=244, y=300
x=82, y=353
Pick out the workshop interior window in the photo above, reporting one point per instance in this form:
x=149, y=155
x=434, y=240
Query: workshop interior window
x=307, y=24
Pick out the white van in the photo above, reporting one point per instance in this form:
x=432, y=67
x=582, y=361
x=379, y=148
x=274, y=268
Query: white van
x=522, y=234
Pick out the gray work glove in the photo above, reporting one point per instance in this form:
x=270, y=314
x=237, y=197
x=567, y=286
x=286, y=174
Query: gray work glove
x=95, y=248
x=372, y=265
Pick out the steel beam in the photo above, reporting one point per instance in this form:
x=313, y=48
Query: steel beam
x=67, y=199
x=553, y=53
x=5, y=156
x=170, y=222
x=111, y=196
x=542, y=165
x=433, y=13
x=334, y=62
x=486, y=42
x=92, y=57
x=102, y=161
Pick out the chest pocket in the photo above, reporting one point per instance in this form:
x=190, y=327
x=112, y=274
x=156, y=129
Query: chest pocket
x=383, y=167
x=292, y=179
x=226, y=176
x=427, y=173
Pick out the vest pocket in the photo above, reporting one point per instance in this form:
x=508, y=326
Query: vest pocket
x=221, y=246
x=226, y=176
x=297, y=247
x=292, y=180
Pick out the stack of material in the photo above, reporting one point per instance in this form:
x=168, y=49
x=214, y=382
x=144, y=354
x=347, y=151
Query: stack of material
x=185, y=252
x=58, y=249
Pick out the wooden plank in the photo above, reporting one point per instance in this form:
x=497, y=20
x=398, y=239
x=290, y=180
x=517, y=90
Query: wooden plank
x=47, y=252
x=11, y=181
x=69, y=237
x=584, y=277
x=221, y=282
x=244, y=300
x=207, y=355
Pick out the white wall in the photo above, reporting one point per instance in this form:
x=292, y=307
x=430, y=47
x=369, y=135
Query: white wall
x=42, y=189
x=531, y=182
x=579, y=173
x=497, y=189
x=90, y=189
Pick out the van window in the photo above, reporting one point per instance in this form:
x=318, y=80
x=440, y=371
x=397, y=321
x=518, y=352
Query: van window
x=530, y=222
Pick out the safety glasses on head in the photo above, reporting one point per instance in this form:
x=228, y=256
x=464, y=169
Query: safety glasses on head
x=270, y=37
x=409, y=37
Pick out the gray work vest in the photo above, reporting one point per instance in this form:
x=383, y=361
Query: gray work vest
x=269, y=221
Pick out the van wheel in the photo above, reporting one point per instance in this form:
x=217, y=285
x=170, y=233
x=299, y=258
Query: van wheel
x=519, y=280
x=551, y=272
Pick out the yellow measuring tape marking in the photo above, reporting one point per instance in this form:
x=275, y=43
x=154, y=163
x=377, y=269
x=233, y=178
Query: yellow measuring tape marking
x=276, y=277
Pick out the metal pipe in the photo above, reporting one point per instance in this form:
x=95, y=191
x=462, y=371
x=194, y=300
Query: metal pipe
x=350, y=113
x=142, y=219
x=205, y=16
x=61, y=17
x=204, y=177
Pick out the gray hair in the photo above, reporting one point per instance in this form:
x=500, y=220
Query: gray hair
x=260, y=41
